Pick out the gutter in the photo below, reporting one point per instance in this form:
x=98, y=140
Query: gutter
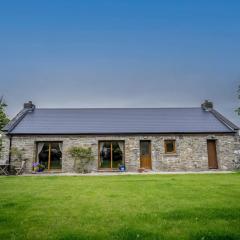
x=10, y=150
x=119, y=133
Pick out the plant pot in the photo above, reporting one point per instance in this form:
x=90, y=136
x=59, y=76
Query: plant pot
x=122, y=168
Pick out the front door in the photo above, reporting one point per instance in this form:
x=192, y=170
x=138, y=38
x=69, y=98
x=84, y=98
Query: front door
x=212, y=154
x=145, y=154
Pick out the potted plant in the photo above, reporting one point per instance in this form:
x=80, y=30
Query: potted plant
x=41, y=167
x=38, y=167
x=122, y=168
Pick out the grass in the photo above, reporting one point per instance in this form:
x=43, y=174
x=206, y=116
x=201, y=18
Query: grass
x=204, y=206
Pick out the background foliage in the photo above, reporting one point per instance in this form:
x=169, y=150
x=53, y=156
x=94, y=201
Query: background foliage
x=238, y=109
x=3, y=119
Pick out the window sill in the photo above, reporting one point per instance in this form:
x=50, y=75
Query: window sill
x=170, y=155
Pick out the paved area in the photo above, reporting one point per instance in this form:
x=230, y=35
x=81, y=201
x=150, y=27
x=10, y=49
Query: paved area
x=128, y=173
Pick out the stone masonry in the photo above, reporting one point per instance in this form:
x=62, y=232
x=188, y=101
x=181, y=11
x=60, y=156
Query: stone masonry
x=5, y=148
x=191, y=150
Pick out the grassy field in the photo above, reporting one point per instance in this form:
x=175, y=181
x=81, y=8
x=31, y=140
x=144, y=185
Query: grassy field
x=121, y=207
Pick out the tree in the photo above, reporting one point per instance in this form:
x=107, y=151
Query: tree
x=238, y=109
x=3, y=119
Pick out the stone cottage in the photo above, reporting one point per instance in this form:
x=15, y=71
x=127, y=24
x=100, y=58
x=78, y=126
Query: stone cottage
x=158, y=139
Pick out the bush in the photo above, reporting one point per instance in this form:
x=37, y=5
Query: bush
x=1, y=147
x=18, y=154
x=82, y=157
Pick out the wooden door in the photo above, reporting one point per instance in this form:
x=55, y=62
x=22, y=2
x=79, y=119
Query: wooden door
x=212, y=154
x=145, y=154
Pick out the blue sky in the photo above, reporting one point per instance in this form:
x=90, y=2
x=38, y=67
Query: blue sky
x=131, y=53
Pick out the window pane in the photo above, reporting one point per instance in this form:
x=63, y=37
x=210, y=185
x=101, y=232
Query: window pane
x=56, y=156
x=111, y=157
x=145, y=147
x=117, y=154
x=169, y=146
x=105, y=154
x=43, y=154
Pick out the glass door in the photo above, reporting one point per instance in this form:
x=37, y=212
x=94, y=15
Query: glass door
x=105, y=154
x=49, y=154
x=111, y=154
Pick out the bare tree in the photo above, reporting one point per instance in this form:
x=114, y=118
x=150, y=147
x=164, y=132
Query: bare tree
x=238, y=109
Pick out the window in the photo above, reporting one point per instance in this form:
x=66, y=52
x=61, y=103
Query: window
x=111, y=154
x=170, y=146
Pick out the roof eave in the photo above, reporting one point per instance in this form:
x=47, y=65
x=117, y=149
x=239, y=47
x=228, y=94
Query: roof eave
x=126, y=133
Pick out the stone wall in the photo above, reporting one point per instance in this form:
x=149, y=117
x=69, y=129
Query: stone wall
x=5, y=148
x=191, y=150
x=237, y=154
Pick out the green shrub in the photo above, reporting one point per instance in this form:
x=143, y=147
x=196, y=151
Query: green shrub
x=82, y=157
x=1, y=147
x=18, y=153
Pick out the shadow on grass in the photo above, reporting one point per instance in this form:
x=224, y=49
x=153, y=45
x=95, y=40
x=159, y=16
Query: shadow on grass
x=214, y=236
x=203, y=213
x=132, y=234
x=122, y=234
x=136, y=234
x=72, y=236
x=195, y=214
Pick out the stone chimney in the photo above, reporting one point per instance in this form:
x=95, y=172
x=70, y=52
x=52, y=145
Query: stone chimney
x=29, y=105
x=207, y=105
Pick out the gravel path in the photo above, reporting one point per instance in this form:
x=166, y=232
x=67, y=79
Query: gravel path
x=128, y=173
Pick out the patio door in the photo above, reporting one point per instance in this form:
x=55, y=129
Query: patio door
x=49, y=154
x=111, y=154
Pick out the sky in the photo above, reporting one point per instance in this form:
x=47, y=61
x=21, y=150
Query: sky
x=135, y=53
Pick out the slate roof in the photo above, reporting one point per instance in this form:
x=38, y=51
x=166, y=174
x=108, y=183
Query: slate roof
x=120, y=120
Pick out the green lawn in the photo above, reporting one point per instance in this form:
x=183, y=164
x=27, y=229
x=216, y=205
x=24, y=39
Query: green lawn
x=196, y=206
